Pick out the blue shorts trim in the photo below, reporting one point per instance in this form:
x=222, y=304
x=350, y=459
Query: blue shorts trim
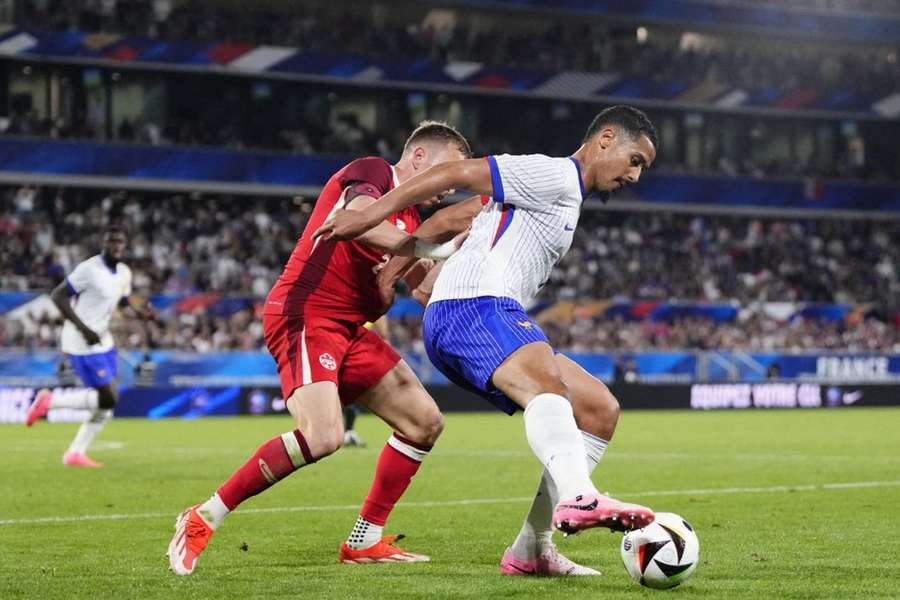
x=95, y=370
x=468, y=339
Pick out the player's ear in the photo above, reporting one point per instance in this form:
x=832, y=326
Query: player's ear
x=606, y=137
x=418, y=158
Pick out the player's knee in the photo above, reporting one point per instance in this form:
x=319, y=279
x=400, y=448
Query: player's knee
x=599, y=415
x=323, y=443
x=553, y=384
x=425, y=428
x=431, y=428
x=106, y=398
x=323, y=438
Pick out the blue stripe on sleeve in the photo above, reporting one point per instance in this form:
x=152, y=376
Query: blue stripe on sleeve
x=496, y=182
x=72, y=290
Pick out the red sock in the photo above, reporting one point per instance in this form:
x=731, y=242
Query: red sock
x=272, y=462
x=398, y=462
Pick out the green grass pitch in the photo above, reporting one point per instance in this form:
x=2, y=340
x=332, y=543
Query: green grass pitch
x=761, y=488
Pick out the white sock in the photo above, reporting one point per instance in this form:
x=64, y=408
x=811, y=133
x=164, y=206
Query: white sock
x=89, y=430
x=555, y=440
x=214, y=511
x=537, y=531
x=364, y=534
x=79, y=399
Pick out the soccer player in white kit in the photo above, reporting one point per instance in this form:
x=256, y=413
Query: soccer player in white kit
x=87, y=299
x=476, y=330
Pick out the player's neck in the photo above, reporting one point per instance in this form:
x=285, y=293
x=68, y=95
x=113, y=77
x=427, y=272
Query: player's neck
x=581, y=155
x=404, y=170
x=109, y=262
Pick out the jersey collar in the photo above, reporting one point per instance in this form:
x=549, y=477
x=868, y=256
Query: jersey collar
x=395, y=179
x=584, y=194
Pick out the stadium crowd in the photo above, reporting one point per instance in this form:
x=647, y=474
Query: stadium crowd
x=453, y=34
x=236, y=246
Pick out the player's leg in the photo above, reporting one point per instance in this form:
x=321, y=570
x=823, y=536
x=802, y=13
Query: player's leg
x=97, y=371
x=596, y=413
x=393, y=393
x=531, y=378
x=98, y=417
x=351, y=436
x=94, y=371
x=311, y=389
x=319, y=432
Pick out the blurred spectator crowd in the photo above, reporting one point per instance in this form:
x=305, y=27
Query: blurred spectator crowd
x=550, y=43
x=236, y=247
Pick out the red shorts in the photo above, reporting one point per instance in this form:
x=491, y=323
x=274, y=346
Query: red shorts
x=313, y=349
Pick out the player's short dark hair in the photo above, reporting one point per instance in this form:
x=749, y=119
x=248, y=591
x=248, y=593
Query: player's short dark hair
x=115, y=230
x=628, y=118
x=438, y=131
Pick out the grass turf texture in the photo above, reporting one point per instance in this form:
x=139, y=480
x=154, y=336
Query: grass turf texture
x=787, y=543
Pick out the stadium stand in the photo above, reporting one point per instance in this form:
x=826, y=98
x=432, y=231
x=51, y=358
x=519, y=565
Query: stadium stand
x=208, y=261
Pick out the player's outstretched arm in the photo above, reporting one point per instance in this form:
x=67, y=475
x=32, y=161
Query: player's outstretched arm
x=60, y=297
x=137, y=307
x=441, y=228
x=473, y=175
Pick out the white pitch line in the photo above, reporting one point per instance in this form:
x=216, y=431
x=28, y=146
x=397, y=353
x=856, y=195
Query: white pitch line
x=469, y=502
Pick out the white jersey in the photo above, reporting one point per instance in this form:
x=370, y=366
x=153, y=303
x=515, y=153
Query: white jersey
x=96, y=291
x=517, y=238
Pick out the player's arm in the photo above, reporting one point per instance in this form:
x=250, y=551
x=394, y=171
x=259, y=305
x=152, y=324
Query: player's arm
x=473, y=175
x=137, y=307
x=391, y=240
x=446, y=224
x=381, y=327
x=60, y=297
x=422, y=292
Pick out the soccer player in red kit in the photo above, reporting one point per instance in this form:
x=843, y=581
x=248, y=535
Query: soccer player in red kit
x=313, y=322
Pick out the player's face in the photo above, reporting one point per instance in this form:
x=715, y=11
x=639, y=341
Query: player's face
x=427, y=157
x=114, y=245
x=619, y=160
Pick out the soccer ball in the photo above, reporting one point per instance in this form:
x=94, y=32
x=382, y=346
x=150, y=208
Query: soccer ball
x=662, y=554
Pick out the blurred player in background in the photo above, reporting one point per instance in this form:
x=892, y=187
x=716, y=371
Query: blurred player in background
x=313, y=321
x=476, y=330
x=87, y=299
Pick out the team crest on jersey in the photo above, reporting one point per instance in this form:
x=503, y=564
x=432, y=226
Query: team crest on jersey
x=525, y=324
x=327, y=361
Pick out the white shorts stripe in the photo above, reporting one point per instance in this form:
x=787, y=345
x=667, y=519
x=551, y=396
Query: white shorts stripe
x=304, y=359
x=293, y=449
x=407, y=450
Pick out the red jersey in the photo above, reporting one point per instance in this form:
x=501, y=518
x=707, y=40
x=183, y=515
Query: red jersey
x=336, y=279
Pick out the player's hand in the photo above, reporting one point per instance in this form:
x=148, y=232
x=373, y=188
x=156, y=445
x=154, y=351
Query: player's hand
x=461, y=237
x=90, y=336
x=147, y=312
x=386, y=294
x=343, y=225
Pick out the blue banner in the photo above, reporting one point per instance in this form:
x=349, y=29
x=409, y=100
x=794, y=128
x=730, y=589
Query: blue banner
x=239, y=167
x=165, y=163
x=228, y=369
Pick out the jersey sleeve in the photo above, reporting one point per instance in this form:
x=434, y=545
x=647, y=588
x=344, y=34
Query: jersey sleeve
x=531, y=181
x=80, y=278
x=370, y=176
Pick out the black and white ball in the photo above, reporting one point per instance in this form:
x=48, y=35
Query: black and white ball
x=663, y=554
